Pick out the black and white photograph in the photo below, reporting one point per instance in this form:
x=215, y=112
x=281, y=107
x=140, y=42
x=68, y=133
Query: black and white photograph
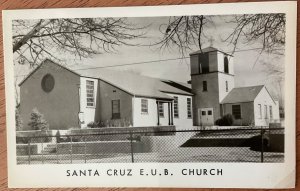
x=189, y=89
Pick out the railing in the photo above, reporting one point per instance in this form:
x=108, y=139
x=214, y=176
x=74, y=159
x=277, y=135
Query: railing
x=225, y=145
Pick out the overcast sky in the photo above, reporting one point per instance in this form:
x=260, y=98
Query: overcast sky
x=248, y=65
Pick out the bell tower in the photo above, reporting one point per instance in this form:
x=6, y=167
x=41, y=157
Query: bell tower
x=212, y=78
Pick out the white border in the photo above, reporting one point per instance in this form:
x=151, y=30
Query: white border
x=235, y=175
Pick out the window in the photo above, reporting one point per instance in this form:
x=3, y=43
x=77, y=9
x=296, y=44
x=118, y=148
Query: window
x=90, y=100
x=189, y=108
x=161, y=109
x=209, y=112
x=236, y=111
x=266, y=112
x=48, y=83
x=271, y=112
x=226, y=69
x=116, y=109
x=203, y=113
x=176, y=112
x=144, y=106
x=259, y=110
x=204, y=83
x=226, y=84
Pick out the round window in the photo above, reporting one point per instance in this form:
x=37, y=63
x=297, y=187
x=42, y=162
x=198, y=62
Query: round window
x=48, y=83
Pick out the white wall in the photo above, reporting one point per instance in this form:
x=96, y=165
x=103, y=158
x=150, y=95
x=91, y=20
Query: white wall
x=222, y=78
x=150, y=119
x=264, y=98
x=221, y=63
x=144, y=119
x=182, y=122
x=88, y=112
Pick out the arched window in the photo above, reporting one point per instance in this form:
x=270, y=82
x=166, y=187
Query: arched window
x=226, y=69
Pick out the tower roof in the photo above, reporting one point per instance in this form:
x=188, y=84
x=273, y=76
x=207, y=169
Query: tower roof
x=209, y=49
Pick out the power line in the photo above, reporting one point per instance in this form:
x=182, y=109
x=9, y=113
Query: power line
x=152, y=61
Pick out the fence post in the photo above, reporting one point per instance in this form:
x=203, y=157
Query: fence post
x=56, y=151
x=262, y=145
x=84, y=149
x=131, y=147
x=71, y=150
x=42, y=151
x=29, y=151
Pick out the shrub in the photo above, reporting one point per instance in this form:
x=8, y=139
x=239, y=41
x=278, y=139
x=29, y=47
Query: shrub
x=19, y=122
x=37, y=121
x=226, y=120
x=57, y=136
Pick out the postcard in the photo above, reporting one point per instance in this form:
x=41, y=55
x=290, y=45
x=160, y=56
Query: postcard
x=184, y=96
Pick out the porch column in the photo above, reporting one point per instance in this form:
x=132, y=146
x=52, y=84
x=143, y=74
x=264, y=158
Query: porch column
x=171, y=113
x=157, y=112
x=169, y=110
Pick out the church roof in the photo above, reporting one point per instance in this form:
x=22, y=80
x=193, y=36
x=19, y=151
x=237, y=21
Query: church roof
x=208, y=49
x=129, y=82
x=242, y=94
x=136, y=84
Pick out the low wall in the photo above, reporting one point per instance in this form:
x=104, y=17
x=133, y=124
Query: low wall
x=22, y=149
x=109, y=147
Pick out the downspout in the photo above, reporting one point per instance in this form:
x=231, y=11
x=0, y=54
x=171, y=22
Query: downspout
x=79, y=103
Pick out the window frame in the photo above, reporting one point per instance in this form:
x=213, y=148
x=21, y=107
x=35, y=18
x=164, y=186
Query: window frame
x=116, y=115
x=260, y=111
x=89, y=93
x=189, y=107
x=176, y=107
x=204, y=89
x=144, y=106
x=266, y=111
x=161, y=111
x=271, y=112
x=240, y=111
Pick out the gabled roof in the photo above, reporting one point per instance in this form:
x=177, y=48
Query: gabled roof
x=134, y=84
x=208, y=49
x=242, y=94
x=131, y=83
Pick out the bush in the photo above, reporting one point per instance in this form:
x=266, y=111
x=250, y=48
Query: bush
x=19, y=122
x=226, y=120
x=37, y=121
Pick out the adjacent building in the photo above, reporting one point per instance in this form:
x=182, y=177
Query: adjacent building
x=215, y=94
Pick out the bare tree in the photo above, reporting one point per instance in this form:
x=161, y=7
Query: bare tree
x=268, y=29
x=33, y=40
x=183, y=32
x=187, y=31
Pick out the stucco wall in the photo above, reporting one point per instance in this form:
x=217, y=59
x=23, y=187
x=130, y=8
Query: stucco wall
x=222, y=78
x=182, y=122
x=150, y=118
x=208, y=99
x=144, y=119
x=106, y=94
x=264, y=98
x=60, y=106
x=247, y=114
x=221, y=63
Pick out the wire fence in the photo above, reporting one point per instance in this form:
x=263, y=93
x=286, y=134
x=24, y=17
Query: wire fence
x=197, y=145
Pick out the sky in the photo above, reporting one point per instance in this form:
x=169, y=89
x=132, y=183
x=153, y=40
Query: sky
x=250, y=67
